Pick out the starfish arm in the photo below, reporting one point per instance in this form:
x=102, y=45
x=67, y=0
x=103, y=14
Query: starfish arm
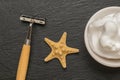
x=49, y=57
x=63, y=38
x=71, y=50
x=49, y=42
x=62, y=60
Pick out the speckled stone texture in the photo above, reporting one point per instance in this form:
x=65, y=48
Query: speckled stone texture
x=62, y=15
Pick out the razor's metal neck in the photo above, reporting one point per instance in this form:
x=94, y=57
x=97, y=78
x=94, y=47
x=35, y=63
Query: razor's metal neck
x=31, y=20
x=29, y=34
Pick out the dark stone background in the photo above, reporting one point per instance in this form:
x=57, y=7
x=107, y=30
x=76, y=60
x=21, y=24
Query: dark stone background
x=62, y=15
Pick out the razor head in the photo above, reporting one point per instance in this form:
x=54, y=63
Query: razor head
x=32, y=19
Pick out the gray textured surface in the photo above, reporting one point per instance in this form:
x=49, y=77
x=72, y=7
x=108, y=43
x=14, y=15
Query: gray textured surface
x=62, y=15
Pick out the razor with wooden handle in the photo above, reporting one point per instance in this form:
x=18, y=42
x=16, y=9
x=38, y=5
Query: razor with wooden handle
x=25, y=53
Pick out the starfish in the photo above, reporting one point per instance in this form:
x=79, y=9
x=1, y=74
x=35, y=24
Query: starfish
x=59, y=50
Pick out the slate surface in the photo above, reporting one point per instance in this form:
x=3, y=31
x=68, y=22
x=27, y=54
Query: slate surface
x=62, y=15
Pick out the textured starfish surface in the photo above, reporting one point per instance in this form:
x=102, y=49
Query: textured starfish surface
x=59, y=50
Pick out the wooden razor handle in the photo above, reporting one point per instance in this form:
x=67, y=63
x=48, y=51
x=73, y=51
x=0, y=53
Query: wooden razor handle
x=23, y=63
